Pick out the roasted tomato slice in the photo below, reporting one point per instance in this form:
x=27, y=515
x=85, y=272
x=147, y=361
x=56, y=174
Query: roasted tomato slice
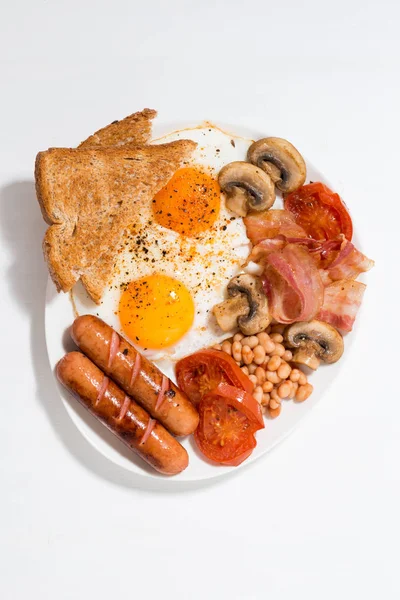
x=320, y=212
x=228, y=421
x=243, y=401
x=202, y=371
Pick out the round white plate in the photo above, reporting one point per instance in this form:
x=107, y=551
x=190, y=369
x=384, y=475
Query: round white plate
x=58, y=319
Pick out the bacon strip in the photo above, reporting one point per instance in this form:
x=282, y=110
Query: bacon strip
x=349, y=263
x=149, y=429
x=161, y=394
x=135, y=368
x=318, y=248
x=114, y=345
x=293, y=284
x=270, y=224
x=342, y=300
x=260, y=252
x=103, y=389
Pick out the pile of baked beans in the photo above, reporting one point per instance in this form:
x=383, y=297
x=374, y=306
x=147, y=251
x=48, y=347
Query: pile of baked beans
x=266, y=361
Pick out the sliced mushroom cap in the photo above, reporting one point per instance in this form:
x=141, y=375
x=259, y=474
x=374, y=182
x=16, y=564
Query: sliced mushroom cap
x=247, y=187
x=280, y=159
x=246, y=308
x=315, y=341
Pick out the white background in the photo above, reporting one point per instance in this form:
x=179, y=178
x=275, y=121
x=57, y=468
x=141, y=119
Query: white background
x=319, y=516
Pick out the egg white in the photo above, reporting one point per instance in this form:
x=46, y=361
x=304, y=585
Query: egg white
x=216, y=255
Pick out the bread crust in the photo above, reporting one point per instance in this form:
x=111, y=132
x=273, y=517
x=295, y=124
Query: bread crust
x=134, y=129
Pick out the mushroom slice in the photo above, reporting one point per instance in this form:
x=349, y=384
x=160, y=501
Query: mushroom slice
x=247, y=187
x=246, y=307
x=280, y=159
x=315, y=341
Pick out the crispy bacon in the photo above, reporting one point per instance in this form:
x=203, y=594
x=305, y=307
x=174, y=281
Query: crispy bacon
x=260, y=252
x=298, y=268
x=270, y=224
x=349, y=263
x=293, y=284
x=342, y=300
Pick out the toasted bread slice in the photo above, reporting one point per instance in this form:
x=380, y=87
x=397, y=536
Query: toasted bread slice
x=100, y=275
x=89, y=197
x=135, y=130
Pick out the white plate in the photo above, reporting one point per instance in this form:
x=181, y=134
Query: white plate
x=58, y=319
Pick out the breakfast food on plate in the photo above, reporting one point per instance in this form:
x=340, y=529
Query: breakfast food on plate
x=246, y=307
x=202, y=372
x=306, y=278
x=246, y=187
x=89, y=197
x=137, y=376
x=175, y=260
x=314, y=341
x=320, y=212
x=269, y=364
x=222, y=268
x=281, y=161
x=122, y=415
x=134, y=130
x=229, y=418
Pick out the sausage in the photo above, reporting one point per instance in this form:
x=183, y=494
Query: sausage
x=136, y=375
x=122, y=415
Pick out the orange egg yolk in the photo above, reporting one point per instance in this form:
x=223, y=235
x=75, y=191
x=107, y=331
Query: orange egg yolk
x=189, y=203
x=156, y=311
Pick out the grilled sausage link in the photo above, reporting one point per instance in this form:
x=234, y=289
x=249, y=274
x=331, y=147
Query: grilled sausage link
x=136, y=375
x=122, y=415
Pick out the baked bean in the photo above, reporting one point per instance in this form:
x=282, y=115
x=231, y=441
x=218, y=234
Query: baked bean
x=302, y=378
x=275, y=412
x=247, y=355
x=275, y=396
x=269, y=346
x=277, y=338
x=284, y=370
x=227, y=347
x=265, y=399
x=279, y=350
x=259, y=354
x=293, y=390
x=304, y=392
x=295, y=375
x=245, y=370
x=262, y=337
x=253, y=380
x=237, y=351
x=287, y=356
x=274, y=363
x=252, y=368
x=258, y=394
x=260, y=374
x=217, y=347
x=273, y=377
x=267, y=386
x=266, y=342
x=251, y=341
x=273, y=404
x=237, y=337
x=284, y=389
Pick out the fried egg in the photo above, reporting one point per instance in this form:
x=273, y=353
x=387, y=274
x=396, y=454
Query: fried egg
x=178, y=257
